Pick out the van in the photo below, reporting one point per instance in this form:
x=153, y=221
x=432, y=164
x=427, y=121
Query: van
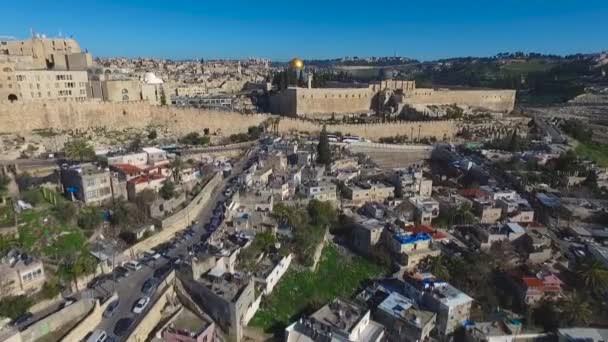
x=97, y=336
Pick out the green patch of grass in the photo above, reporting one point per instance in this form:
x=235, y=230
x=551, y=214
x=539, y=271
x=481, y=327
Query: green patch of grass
x=298, y=292
x=50, y=237
x=596, y=152
x=7, y=215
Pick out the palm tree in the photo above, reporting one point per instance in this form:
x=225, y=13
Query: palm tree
x=575, y=310
x=78, y=149
x=176, y=167
x=436, y=266
x=464, y=214
x=594, y=275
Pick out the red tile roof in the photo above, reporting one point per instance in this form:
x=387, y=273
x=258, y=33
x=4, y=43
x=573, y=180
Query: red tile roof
x=128, y=168
x=146, y=178
x=532, y=282
x=473, y=192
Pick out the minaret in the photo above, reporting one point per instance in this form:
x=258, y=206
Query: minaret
x=309, y=80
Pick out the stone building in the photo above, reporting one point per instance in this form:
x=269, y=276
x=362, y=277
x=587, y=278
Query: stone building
x=20, y=274
x=88, y=183
x=44, y=51
x=296, y=101
x=451, y=305
x=42, y=69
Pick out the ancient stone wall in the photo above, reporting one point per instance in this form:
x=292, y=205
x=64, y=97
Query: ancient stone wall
x=493, y=100
x=441, y=130
x=25, y=117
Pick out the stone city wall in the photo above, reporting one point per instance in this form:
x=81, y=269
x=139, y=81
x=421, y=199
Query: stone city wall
x=25, y=117
x=418, y=129
x=301, y=101
x=493, y=100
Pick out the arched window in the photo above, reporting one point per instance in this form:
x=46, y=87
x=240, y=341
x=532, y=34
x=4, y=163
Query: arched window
x=125, y=91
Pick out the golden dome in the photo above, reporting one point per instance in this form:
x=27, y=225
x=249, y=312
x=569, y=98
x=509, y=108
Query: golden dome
x=296, y=63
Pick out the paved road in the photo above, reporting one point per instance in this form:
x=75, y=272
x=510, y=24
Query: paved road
x=129, y=289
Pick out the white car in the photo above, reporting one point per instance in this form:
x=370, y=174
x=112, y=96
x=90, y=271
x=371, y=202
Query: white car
x=152, y=254
x=133, y=265
x=141, y=305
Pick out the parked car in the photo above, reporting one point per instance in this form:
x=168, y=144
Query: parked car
x=111, y=308
x=141, y=305
x=133, y=265
x=122, y=326
x=149, y=286
x=67, y=302
x=121, y=272
x=97, y=335
x=152, y=254
x=161, y=272
x=22, y=319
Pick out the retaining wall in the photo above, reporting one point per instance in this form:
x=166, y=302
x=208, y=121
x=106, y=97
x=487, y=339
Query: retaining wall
x=178, y=221
x=58, y=320
x=88, y=323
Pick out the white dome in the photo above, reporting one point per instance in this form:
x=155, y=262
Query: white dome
x=150, y=78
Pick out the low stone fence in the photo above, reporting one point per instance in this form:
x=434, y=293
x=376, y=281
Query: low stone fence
x=176, y=222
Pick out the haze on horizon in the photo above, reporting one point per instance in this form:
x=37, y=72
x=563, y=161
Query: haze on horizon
x=315, y=29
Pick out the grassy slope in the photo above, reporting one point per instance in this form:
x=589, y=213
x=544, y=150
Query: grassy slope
x=337, y=275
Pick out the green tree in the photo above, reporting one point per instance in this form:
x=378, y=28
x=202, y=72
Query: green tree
x=575, y=310
x=64, y=211
x=78, y=149
x=4, y=181
x=323, y=149
x=594, y=275
x=135, y=145
x=152, y=134
x=167, y=191
x=89, y=218
x=514, y=144
x=177, y=165
x=436, y=266
x=399, y=190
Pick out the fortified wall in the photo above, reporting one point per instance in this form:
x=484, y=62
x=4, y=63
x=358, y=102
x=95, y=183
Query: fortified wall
x=440, y=130
x=26, y=117
x=300, y=101
x=502, y=101
x=296, y=101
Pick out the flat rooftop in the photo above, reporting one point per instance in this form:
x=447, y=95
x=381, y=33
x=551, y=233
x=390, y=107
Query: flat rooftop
x=188, y=323
x=339, y=314
x=404, y=308
x=227, y=286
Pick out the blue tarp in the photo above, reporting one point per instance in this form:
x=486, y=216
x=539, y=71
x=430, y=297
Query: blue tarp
x=405, y=238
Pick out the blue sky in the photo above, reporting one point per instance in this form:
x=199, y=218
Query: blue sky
x=315, y=28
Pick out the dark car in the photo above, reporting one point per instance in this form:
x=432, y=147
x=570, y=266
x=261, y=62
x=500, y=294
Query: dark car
x=121, y=272
x=149, y=286
x=161, y=272
x=22, y=319
x=111, y=309
x=122, y=326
